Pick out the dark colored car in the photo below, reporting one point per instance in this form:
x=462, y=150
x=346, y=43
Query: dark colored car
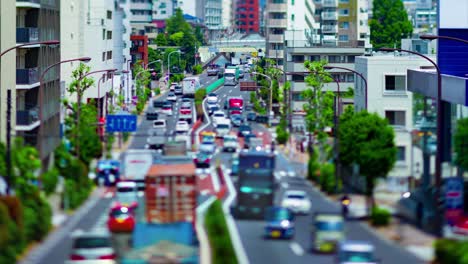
x=251, y=116
x=107, y=172
x=151, y=116
x=158, y=104
x=279, y=223
x=202, y=160
x=244, y=130
x=178, y=90
x=236, y=120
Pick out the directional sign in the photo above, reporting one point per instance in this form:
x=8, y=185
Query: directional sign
x=121, y=123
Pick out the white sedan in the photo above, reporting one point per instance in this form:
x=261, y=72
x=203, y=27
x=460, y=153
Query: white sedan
x=160, y=124
x=212, y=98
x=182, y=126
x=171, y=97
x=296, y=201
x=218, y=116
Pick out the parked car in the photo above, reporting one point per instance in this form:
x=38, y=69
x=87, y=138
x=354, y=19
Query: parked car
x=297, y=201
x=279, y=223
x=171, y=97
x=121, y=219
x=160, y=124
x=92, y=246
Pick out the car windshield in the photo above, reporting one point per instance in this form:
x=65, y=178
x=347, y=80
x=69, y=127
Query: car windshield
x=180, y=132
x=212, y=95
x=219, y=114
x=125, y=189
x=329, y=226
x=119, y=213
x=245, y=128
x=159, y=123
x=356, y=257
x=170, y=94
x=277, y=214
x=182, y=123
x=222, y=126
x=230, y=139
x=185, y=107
x=92, y=242
x=296, y=196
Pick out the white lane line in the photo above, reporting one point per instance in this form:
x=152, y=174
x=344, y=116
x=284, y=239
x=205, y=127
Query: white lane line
x=296, y=248
x=215, y=179
x=109, y=195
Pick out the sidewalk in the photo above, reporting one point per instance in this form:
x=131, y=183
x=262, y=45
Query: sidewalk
x=403, y=234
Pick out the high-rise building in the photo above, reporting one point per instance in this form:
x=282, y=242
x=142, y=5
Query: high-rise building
x=121, y=52
x=8, y=31
x=247, y=16
x=142, y=16
x=83, y=21
x=162, y=9
x=188, y=6
x=210, y=11
x=37, y=108
x=227, y=14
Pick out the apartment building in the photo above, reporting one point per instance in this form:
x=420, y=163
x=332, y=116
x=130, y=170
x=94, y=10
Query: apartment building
x=162, y=9
x=283, y=15
x=83, y=21
x=227, y=14
x=343, y=22
x=7, y=66
x=211, y=13
x=38, y=108
x=247, y=16
x=335, y=56
x=121, y=50
x=142, y=16
x=387, y=95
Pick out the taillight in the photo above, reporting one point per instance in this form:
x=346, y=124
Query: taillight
x=76, y=257
x=196, y=160
x=111, y=256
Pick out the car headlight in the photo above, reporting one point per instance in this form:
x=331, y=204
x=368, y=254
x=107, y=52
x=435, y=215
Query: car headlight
x=285, y=223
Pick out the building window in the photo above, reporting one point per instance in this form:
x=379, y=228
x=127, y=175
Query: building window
x=351, y=59
x=109, y=34
x=297, y=96
x=344, y=12
x=298, y=58
x=292, y=2
x=344, y=25
x=109, y=14
x=350, y=77
x=395, y=83
x=103, y=56
x=103, y=34
x=396, y=118
x=298, y=78
x=109, y=55
x=401, y=153
x=336, y=59
x=343, y=38
x=292, y=17
x=314, y=57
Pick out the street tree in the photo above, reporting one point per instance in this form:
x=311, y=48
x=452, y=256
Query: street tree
x=461, y=143
x=161, y=40
x=367, y=140
x=318, y=106
x=389, y=24
x=178, y=26
x=142, y=83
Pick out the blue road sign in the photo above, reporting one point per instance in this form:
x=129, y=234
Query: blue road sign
x=121, y=123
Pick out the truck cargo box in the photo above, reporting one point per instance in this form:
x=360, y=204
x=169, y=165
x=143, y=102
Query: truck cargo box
x=171, y=193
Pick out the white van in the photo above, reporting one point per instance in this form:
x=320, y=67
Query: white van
x=223, y=127
x=127, y=193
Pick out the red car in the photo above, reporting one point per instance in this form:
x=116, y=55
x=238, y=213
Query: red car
x=461, y=226
x=121, y=220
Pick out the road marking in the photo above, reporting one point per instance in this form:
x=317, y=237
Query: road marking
x=296, y=248
x=215, y=179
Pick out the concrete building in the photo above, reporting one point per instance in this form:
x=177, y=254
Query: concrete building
x=142, y=16
x=162, y=9
x=246, y=15
x=8, y=39
x=227, y=14
x=188, y=6
x=38, y=111
x=336, y=56
x=211, y=13
x=121, y=51
x=389, y=97
x=87, y=30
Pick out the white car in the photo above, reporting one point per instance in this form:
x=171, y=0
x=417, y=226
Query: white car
x=223, y=128
x=161, y=124
x=173, y=85
x=209, y=147
x=297, y=201
x=218, y=117
x=212, y=98
x=171, y=97
x=230, y=143
x=182, y=126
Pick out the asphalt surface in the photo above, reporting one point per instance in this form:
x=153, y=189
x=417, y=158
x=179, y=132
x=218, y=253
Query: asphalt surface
x=57, y=250
x=298, y=249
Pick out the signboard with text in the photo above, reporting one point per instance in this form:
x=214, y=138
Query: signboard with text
x=121, y=123
x=248, y=86
x=453, y=193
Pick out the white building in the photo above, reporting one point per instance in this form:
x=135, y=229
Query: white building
x=227, y=14
x=188, y=6
x=387, y=96
x=121, y=53
x=87, y=31
x=163, y=9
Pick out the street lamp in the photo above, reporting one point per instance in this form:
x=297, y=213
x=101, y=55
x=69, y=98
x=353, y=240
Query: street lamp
x=169, y=61
x=440, y=140
x=432, y=37
x=8, y=119
x=357, y=73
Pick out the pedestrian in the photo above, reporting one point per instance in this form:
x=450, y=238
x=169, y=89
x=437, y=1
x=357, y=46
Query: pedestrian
x=272, y=146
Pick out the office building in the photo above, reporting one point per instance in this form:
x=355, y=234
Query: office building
x=38, y=111
x=247, y=16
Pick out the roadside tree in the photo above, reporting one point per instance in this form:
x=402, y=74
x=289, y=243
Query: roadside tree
x=461, y=143
x=367, y=140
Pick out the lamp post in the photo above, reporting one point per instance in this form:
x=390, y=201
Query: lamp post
x=355, y=72
x=8, y=119
x=440, y=141
x=432, y=37
x=153, y=62
x=169, y=61
x=123, y=72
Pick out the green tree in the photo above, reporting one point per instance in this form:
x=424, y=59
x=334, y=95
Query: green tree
x=26, y=166
x=199, y=36
x=319, y=105
x=142, y=82
x=367, y=140
x=176, y=25
x=461, y=143
x=389, y=23
x=161, y=40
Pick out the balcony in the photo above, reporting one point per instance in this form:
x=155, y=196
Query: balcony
x=330, y=29
x=28, y=3
x=142, y=18
x=283, y=23
x=277, y=7
x=27, y=120
x=330, y=3
x=276, y=54
x=27, y=78
x=329, y=16
x=275, y=38
x=27, y=35
x=141, y=6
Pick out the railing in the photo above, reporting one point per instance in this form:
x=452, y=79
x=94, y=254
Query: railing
x=276, y=38
x=26, y=35
x=277, y=23
x=27, y=76
x=329, y=15
x=329, y=28
x=330, y=3
x=27, y=117
x=30, y=1
x=277, y=7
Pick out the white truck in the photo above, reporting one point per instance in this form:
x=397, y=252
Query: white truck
x=223, y=127
x=230, y=76
x=135, y=165
x=190, y=85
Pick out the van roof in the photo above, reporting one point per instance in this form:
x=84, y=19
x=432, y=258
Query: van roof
x=126, y=184
x=159, y=170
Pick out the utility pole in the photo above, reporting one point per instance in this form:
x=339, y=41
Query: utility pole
x=8, y=144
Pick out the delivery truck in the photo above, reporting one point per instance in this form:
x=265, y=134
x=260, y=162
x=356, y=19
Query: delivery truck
x=190, y=85
x=136, y=162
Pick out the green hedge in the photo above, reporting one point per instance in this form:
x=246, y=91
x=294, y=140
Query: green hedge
x=49, y=181
x=449, y=251
x=222, y=250
x=328, y=178
x=380, y=216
